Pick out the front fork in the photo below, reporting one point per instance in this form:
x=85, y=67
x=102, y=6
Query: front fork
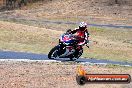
x=61, y=49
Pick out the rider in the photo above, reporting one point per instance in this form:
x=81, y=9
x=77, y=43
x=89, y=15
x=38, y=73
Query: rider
x=82, y=35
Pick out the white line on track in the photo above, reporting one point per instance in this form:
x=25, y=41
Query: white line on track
x=28, y=60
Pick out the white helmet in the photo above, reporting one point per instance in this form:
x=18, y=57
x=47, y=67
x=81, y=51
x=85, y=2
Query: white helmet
x=83, y=24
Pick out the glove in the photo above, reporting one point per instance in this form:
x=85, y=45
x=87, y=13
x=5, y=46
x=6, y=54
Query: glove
x=68, y=31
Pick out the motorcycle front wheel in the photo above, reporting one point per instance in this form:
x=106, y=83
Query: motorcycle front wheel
x=53, y=53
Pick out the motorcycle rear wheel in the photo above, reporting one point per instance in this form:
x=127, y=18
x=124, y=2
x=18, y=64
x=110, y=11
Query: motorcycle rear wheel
x=76, y=56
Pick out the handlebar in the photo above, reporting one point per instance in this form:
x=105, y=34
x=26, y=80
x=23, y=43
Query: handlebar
x=87, y=45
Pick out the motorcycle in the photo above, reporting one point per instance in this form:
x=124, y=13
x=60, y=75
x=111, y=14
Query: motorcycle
x=66, y=48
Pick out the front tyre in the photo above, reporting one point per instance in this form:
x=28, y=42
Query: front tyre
x=53, y=53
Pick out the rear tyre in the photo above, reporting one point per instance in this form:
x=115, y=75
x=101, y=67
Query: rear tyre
x=76, y=55
x=72, y=58
x=79, y=54
x=53, y=53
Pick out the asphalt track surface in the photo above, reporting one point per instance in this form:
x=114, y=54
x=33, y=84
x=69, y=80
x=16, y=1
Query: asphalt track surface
x=11, y=55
